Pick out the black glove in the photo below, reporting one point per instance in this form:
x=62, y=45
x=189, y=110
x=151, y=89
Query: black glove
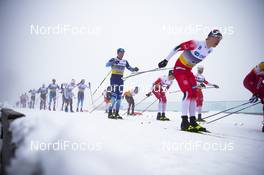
x=254, y=98
x=215, y=86
x=136, y=69
x=114, y=61
x=148, y=94
x=163, y=63
x=202, y=85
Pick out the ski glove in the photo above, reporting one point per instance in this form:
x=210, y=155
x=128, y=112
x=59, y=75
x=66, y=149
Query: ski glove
x=148, y=94
x=136, y=69
x=114, y=61
x=215, y=86
x=254, y=98
x=163, y=63
x=202, y=85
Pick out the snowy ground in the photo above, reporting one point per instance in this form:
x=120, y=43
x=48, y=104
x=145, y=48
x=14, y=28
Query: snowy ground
x=83, y=143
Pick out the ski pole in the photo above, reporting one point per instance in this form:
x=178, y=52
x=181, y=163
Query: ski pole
x=226, y=110
x=102, y=82
x=90, y=90
x=147, y=71
x=96, y=107
x=136, y=104
x=149, y=106
x=232, y=113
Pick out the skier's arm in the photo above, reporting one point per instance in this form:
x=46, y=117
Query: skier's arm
x=210, y=84
x=188, y=45
x=130, y=68
x=111, y=62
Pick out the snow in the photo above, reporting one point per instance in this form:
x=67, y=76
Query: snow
x=135, y=145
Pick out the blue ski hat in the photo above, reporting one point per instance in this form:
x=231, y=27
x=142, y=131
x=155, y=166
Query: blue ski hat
x=120, y=50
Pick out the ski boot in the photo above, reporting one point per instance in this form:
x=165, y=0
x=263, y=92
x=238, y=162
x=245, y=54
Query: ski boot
x=49, y=108
x=200, y=118
x=66, y=109
x=196, y=125
x=186, y=126
x=117, y=115
x=164, y=118
x=159, y=116
x=110, y=115
x=81, y=110
x=77, y=109
x=54, y=108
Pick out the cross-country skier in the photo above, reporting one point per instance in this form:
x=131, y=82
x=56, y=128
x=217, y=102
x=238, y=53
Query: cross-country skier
x=129, y=96
x=118, y=66
x=52, y=93
x=62, y=89
x=68, y=93
x=159, y=89
x=107, y=98
x=43, y=96
x=193, y=53
x=80, y=97
x=200, y=79
x=254, y=83
x=32, y=98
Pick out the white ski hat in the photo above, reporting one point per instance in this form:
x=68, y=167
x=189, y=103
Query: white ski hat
x=200, y=67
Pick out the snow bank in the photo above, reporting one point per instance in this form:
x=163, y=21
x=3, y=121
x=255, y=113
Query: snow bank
x=83, y=143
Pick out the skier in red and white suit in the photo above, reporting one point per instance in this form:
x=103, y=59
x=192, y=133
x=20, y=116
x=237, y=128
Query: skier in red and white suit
x=159, y=88
x=193, y=53
x=254, y=83
x=200, y=79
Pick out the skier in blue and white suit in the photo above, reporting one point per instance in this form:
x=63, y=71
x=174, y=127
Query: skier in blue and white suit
x=118, y=66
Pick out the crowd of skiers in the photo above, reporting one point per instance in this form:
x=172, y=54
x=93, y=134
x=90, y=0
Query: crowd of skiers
x=48, y=96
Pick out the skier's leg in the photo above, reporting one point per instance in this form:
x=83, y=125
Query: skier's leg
x=82, y=99
x=50, y=100
x=128, y=102
x=182, y=77
x=132, y=105
x=163, y=107
x=119, y=96
x=54, y=102
x=71, y=101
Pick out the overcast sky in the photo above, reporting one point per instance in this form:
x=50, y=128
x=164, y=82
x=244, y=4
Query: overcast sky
x=41, y=40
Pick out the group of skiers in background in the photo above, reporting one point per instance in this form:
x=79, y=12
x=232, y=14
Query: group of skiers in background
x=66, y=89
x=193, y=52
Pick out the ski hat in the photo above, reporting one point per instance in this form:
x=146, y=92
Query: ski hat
x=120, y=50
x=136, y=89
x=200, y=67
x=73, y=81
x=215, y=33
x=261, y=66
x=171, y=72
